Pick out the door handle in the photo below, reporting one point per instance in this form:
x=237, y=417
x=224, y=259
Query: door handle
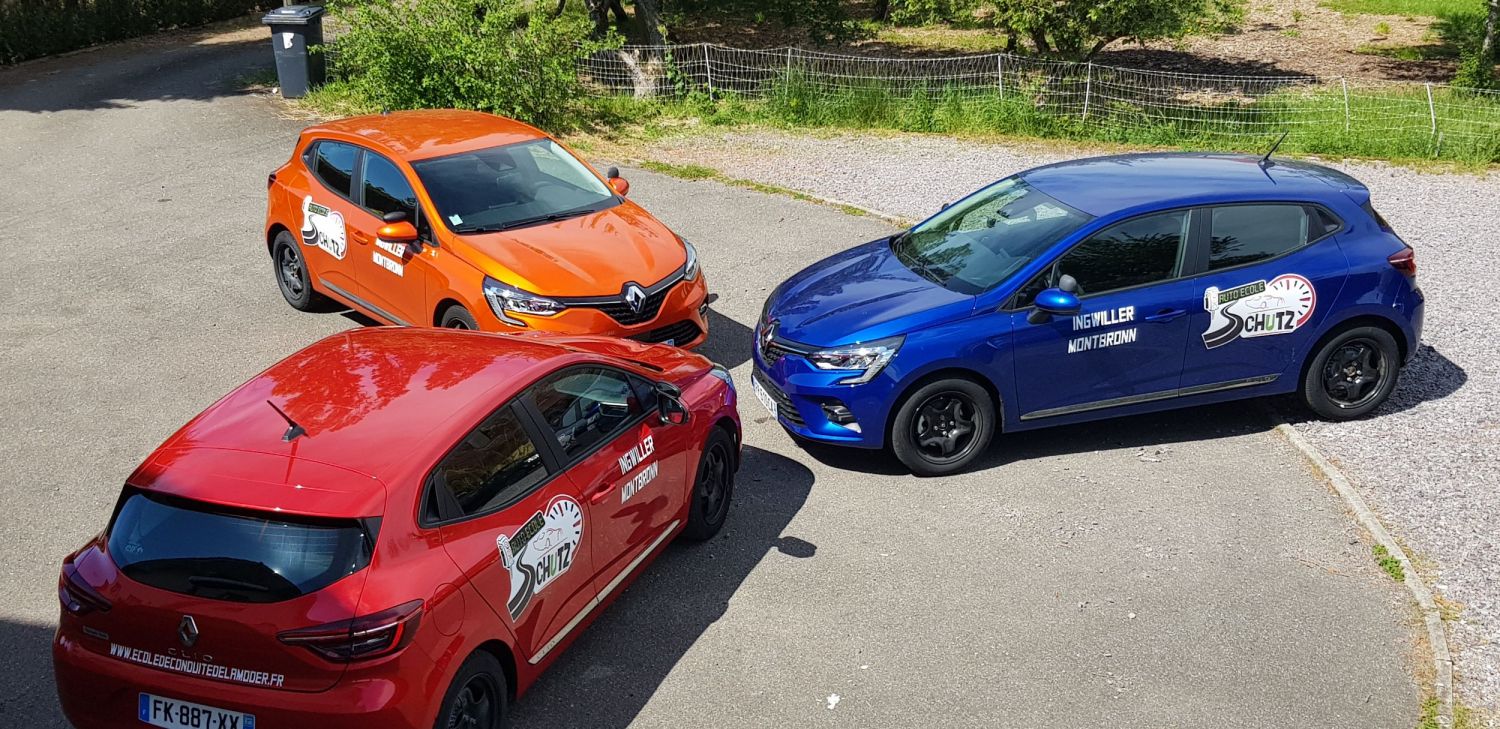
x=597, y=494
x=1166, y=315
x=359, y=237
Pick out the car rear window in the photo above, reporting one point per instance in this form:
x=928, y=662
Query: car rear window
x=333, y=163
x=195, y=549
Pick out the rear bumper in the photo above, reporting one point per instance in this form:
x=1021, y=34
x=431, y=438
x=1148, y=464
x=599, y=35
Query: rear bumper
x=99, y=692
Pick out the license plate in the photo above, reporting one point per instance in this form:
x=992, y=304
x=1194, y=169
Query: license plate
x=670, y=342
x=174, y=714
x=763, y=396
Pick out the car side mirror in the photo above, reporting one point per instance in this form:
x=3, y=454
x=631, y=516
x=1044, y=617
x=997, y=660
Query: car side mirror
x=1053, y=302
x=669, y=404
x=616, y=182
x=397, y=229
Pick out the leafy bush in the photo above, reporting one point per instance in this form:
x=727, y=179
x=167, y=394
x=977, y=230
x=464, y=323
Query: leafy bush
x=35, y=28
x=489, y=55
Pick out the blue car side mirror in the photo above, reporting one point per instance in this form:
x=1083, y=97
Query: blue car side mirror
x=1058, y=302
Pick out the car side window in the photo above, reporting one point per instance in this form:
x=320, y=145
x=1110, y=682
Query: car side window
x=494, y=464
x=586, y=406
x=1138, y=251
x=1241, y=234
x=386, y=189
x=333, y=163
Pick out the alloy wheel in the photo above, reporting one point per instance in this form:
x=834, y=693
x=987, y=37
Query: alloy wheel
x=1353, y=373
x=945, y=426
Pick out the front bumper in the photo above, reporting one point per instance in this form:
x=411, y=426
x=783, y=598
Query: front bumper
x=99, y=692
x=681, y=319
x=804, y=396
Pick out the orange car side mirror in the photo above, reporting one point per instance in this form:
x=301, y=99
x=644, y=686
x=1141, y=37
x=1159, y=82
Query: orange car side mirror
x=398, y=232
x=618, y=183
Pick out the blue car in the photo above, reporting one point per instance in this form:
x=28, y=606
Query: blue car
x=1093, y=289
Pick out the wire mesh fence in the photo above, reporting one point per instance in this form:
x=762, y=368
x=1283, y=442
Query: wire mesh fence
x=1418, y=119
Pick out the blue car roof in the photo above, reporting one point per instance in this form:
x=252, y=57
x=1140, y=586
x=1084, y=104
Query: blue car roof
x=1103, y=186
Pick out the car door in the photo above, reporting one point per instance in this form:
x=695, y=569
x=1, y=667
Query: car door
x=326, y=207
x=1270, y=270
x=396, y=276
x=1126, y=343
x=515, y=526
x=630, y=467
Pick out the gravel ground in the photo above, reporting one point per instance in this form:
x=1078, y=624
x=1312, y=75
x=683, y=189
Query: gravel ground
x=1426, y=463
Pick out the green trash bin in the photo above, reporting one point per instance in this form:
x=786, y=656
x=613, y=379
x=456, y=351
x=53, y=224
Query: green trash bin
x=294, y=30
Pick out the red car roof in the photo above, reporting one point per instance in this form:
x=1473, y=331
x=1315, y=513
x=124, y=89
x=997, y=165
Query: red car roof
x=374, y=402
x=429, y=133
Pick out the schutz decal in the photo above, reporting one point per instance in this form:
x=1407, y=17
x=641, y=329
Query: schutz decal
x=323, y=228
x=540, y=551
x=1258, y=309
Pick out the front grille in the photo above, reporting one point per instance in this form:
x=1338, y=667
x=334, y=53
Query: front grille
x=773, y=352
x=784, y=406
x=620, y=311
x=680, y=333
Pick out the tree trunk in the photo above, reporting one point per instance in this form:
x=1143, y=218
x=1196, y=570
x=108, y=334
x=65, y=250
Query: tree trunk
x=561, y=5
x=1491, y=28
x=599, y=13
x=882, y=10
x=649, y=13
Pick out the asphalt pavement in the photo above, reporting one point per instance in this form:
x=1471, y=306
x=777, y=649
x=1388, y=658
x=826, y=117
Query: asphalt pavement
x=1183, y=570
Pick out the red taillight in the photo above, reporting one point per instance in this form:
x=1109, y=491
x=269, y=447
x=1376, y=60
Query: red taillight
x=76, y=595
x=359, y=639
x=1405, y=261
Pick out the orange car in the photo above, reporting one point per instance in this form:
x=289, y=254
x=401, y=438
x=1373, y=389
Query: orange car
x=467, y=220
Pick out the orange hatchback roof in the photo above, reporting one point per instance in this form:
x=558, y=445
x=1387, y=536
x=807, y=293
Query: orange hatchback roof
x=428, y=133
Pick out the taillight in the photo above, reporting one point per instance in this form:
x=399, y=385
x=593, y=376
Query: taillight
x=76, y=595
x=1405, y=261
x=359, y=639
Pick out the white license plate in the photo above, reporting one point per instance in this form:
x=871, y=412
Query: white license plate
x=173, y=714
x=763, y=396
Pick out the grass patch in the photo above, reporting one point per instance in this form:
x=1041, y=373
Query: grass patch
x=1390, y=564
x=1423, y=52
x=938, y=38
x=1429, y=8
x=686, y=172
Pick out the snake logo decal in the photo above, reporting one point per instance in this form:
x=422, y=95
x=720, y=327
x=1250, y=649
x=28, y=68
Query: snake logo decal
x=323, y=228
x=1258, y=309
x=540, y=551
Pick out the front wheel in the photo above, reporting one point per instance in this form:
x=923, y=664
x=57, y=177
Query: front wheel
x=477, y=697
x=457, y=317
x=713, y=488
x=1352, y=374
x=943, y=426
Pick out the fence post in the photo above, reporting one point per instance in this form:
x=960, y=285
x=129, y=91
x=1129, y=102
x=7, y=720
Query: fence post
x=1345, y=81
x=1000, y=72
x=1431, y=108
x=708, y=65
x=1088, y=88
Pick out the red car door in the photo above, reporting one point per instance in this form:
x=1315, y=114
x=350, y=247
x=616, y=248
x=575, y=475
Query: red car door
x=516, y=527
x=629, y=467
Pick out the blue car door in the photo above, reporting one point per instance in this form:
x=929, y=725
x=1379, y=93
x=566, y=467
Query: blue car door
x=1126, y=343
x=1271, y=271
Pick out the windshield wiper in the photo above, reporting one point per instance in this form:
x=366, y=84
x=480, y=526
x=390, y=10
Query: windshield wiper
x=523, y=222
x=225, y=582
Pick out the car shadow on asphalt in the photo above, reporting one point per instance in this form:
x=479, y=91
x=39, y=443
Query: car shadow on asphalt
x=1427, y=377
x=29, y=699
x=728, y=341
x=605, y=679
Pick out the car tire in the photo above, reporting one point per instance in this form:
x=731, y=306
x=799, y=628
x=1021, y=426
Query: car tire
x=457, y=317
x=943, y=426
x=1352, y=374
x=477, y=697
x=292, y=277
x=713, y=487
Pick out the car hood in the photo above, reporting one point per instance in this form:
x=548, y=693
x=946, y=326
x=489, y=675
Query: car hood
x=590, y=255
x=673, y=364
x=858, y=295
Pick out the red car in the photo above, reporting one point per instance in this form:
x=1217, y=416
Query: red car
x=390, y=528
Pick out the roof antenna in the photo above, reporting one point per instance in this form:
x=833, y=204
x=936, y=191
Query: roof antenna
x=293, y=430
x=1266, y=160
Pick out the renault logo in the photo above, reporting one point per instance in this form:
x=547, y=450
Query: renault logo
x=187, y=631
x=767, y=333
x=635, y=297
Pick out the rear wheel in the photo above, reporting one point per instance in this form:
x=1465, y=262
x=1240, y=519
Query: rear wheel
x=943, y=426
x=1352, y=374
x=477, y=697
x=292, y=276
x=713, y=488
x=457, y=317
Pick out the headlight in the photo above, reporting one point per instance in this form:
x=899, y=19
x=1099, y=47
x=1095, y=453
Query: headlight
x=690, y=269
x=723, y=374
x=868, y=358
x=504, y=299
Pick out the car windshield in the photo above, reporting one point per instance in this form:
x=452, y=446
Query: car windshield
x=984, y=238
x=194, y=549
x=512, y=186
